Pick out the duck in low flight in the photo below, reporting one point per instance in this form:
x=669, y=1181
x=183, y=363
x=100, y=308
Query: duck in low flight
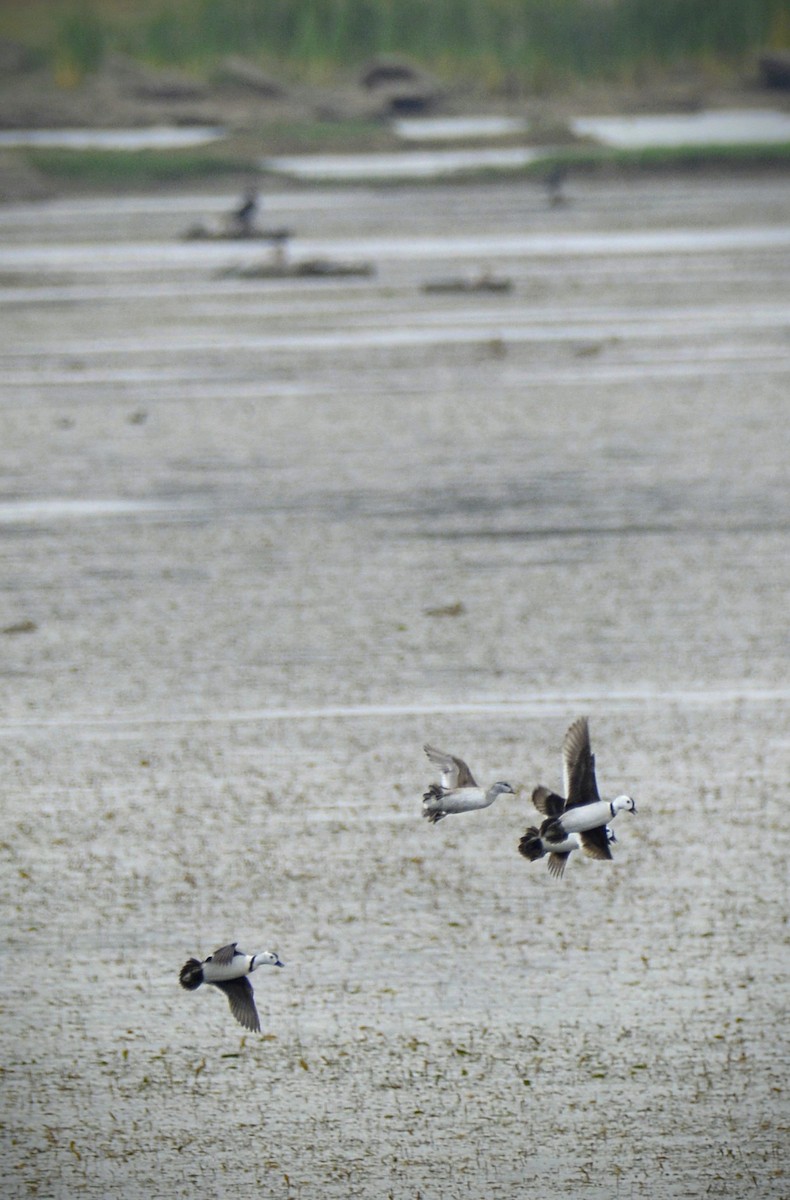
x=227, y=969
x=533, y=847
x=583, y=813
x=457, y=790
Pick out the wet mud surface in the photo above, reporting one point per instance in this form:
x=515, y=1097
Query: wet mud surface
x=260, y=541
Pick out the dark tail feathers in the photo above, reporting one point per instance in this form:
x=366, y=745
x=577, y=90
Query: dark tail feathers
x=434, y=792
x=191, y=974
x=531, y=845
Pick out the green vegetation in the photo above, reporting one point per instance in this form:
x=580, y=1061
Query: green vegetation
x=81, y=41
x=536, y=42
x=659, y=158
x=140, y=168
x=603, y=160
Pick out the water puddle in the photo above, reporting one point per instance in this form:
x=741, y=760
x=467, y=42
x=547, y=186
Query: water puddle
x=24, y=512
x=156, y=137
x=731, y=127
x=441, y=129
x=405, y=164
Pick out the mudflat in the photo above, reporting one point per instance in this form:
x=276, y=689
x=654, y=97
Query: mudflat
x=261, y=540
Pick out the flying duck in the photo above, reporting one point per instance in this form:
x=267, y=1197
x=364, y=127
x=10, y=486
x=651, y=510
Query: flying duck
x=583, y=812
x=533, y=847
x=457, y=791
x=227, y=969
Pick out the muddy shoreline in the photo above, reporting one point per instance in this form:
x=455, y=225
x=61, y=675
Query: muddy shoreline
x=265, y=116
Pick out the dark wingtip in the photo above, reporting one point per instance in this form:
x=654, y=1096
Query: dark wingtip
x=557, y=864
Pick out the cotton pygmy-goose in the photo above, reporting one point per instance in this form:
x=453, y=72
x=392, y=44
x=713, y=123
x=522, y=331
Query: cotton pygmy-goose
x=227, y=969
x=457, y=791
x=583, y=812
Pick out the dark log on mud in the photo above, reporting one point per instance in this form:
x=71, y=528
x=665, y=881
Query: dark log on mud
x=310, y=268
x=477, y=283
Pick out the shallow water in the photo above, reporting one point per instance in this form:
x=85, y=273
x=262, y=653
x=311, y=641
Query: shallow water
x=639, y=131
x=750, y=127
x=404, y=164
x=423, y=129
x=260, y=542
x=152, y=137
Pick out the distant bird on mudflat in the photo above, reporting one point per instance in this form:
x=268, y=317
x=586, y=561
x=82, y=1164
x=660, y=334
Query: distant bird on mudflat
x=583, y=812
x=554, y=179
x=457, y=791
x=227, y=969
x=244, y=216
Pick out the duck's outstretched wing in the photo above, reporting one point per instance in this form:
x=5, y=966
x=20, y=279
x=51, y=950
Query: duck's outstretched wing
x=224, y=956
x=557, y=863
x=595, y=842
x=548, y=802
x=578, y=763
x=455, y=772
x=242, y=1002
